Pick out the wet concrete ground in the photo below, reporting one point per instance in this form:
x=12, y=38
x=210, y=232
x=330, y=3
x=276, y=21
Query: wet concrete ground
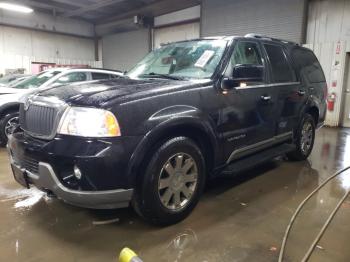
x=238, y=219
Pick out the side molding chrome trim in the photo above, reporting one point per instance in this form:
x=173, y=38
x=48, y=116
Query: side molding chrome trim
x=269, y=85
x=240, y=152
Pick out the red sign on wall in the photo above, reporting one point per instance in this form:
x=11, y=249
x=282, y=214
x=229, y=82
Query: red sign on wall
x=337, y=50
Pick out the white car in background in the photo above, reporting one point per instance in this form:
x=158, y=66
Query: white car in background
x=11, y=79
x=10, y=96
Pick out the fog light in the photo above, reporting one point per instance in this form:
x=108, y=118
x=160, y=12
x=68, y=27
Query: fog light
x=77, y=172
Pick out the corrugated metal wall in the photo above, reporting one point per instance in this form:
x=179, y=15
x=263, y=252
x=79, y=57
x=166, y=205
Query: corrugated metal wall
x=333, y=64
x=328, y=20
x=12, y=61
x=283, y=19
x=19, y=47
x=121, y=51
x=328, y=34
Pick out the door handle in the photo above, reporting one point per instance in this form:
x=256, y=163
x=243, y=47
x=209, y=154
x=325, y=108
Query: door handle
x=265, y=98
x=301, y=92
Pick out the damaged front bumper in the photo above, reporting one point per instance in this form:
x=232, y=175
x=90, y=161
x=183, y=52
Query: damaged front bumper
x=46, y=180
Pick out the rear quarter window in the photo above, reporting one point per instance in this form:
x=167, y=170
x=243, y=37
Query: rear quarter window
x=308, y=66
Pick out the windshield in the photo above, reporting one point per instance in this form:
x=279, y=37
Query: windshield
x=192, y=59
x=8, y=79
x=36, y=80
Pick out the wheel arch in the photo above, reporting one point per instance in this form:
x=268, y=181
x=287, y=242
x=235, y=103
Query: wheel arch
x=314, y=112
x=196, y=129
x=5, y=109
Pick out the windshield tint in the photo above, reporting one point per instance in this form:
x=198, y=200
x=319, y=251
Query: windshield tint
x=36, y=80
x=192, y=59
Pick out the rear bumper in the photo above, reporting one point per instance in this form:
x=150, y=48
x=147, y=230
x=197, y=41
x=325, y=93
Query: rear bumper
x=47, y=180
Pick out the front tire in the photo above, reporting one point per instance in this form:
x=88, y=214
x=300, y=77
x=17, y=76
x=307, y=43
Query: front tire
x=7, y=125
x=172, y=184
x=305, y=138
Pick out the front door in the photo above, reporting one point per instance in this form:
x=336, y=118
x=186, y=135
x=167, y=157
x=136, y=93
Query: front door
x=247, y=114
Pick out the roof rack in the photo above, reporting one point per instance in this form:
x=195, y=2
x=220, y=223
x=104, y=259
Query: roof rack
x=253, y=35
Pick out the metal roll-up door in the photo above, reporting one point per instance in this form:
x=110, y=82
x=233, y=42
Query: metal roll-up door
x=175, y=33
x=276, y=18
x=122, y=51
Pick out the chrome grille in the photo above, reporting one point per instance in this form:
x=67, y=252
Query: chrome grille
x=39, y=120
x=39, y=117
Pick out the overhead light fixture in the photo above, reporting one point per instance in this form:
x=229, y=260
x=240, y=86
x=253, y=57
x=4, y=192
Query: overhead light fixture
x=15, y=8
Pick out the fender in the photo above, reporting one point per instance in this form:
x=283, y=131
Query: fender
x=4, y=107
x=165, y=121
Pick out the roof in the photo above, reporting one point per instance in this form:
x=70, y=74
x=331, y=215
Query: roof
x=228, y=38
x=61, y=69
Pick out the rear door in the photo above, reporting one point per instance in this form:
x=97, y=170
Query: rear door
x=291, y=94
x=311, y=76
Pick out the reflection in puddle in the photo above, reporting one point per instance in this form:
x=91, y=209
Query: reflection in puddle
x=182, y=242
x=17, y=247
x=345, y=181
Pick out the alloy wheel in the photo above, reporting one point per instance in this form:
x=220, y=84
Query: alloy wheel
x=177, y=181
x=10, y=126
x=307, y=136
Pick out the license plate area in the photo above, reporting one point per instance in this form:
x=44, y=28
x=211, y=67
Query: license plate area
x=20, y=176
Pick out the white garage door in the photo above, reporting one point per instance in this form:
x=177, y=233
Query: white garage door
x=175, y=33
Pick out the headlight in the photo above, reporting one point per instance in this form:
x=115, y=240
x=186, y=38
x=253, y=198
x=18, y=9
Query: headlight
x=88, y=122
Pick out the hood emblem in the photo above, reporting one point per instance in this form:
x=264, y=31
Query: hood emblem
x=27, y=104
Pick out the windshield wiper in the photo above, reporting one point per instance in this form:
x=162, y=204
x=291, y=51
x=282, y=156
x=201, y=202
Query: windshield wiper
x=152, y=74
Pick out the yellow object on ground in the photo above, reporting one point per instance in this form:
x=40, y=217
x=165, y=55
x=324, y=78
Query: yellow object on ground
x=127, y=255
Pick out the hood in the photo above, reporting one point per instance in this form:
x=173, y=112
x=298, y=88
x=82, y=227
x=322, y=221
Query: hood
x=102, y=93
x=10, y=90
x=11, y=98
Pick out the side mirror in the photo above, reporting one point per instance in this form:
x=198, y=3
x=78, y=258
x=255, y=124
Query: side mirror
x=243, y=74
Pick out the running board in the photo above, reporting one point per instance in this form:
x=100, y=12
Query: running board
x=258, y=158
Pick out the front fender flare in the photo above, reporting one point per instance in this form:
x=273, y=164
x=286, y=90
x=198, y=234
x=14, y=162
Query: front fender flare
x=152, y=137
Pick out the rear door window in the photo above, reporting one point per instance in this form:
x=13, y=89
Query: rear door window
x=99, y=76
x=72, y=77
x=280, y=67
x=307, y=65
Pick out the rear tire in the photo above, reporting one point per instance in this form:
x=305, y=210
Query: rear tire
x=7, y=126
x=172, y=183
x=305, y=138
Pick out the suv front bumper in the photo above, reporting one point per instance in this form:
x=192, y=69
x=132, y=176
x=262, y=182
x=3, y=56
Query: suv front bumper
x=48, y=165
x=46, y=180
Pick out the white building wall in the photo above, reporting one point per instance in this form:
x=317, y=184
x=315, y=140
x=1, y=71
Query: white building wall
x=328, y=34
x=19, y=46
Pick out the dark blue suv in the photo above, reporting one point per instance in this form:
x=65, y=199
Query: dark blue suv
x=189, y=111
